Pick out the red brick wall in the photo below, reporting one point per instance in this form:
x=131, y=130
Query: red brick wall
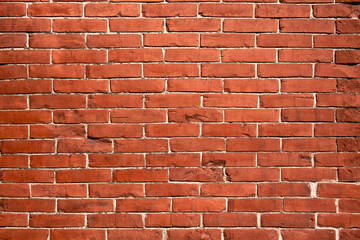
x=145, y=119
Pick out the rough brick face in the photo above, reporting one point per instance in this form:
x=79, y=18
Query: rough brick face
x=180, y=119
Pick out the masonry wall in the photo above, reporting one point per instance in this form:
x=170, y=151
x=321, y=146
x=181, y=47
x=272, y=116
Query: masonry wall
x=145, y=119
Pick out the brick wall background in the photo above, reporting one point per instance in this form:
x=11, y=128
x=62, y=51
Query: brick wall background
x=145, y=119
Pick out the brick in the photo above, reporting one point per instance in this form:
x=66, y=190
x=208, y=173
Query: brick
x=57, y=131
x=338, y=190
x=349, y=174
x=192, y=55
x=9, y=132
x=227, y=40
x=12, y=72
x=305, y=55
x=252, y=174
x=172, y=130
x=13, y=220
x=230, y=220
x=84, y=145
x=28, y=146
x=228, y=159
x=135, y=234
x=13, y=40
x=114, y=40
x=284, y=40
x=284, y=159
x=225, y=10
x=349, y=234
x=172, y=220
x=193, y=25
x=349, y=205
x=253, y=145
x=309, y=144
x=250, y=25
x=138, y=115
x=307, y=115
x=252, y=115
x=171, y=189
x=283, y=189
x=56, y=71
x=114, y=220
x=114, y=101
x=197, y=144
x=198, y=204
x=79, y=56
x=81, y=86
x=195, y=115
x=58, y=161
x=287, y=100
x=231, y=130
x=339, y=71
x=14, y=190
x=136, y=25
x=137, y=86
x=141, y=145
x=194, y=85
x=338, y=100
x=12, y=9
x=196, y=174
x=227, y=70
x=79, y=25
x=307, y=26
x=228, y=189
x=172, y=100
x=347, y=56
x=335, y=10
x=285, y=70
x=336, y=41
x=51, y=220
x=322, y=234
x=55, y=10
x=28, y=116
x=25, y=234
x=248, y=55
x=230, y=100
x=115, y=190
x=13, y=161
x=171, y=39
x=337, y=129
x=171, y=70
x=13, y=102
x=337, y=159
x=135, y=55
x=143, y=205
x=338, y=220
x=112, y=10
x=347, y=115
x=288, y=220
x=116, y=160
x=251, y=234
x=309, y=205
x=170, y=10
x=282, y=11
x=25, y=25
x=58, y=101
x=173, y=159
x=81, y=116
x=56, y=41
x=285, y=130
x=117, y=131
x=25, y=56
x=254, y=205
x=59, y=190
x=58, y=234
x=308, y=85
x=348, y=26
x=140, y=175
x=85, y=205
x=83, y=175
x=27, y=205
x=113, y=71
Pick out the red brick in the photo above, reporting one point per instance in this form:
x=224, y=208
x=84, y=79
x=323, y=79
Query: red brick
x=348, y=26
x=308, y=85
x=84, y=145
x=288, y=220
x=55, y=10
x=253, y=145
x=305, y=55
x=334, y=70
x=171, y=189
x=309, y=144
x=114, y=40
x=285, y=130
x=8, y=132
x=349, y=174
x=58, y=161
x=85, y=205
x=250, y=25
x=116, y=160
x=264, y=234
x=172, y=130
x=309, y=205
x=83, y=175
x=13, y=161
x=58, y=101
x=255, y=205
x=193, y=25
x=135, y=55
x=338, y=190
x=114, y=220
x=248, y=55
x=57, y=131
x=339, y=220
x=228, y=159
x=143, y=205
x=230, y=220
x=287, y=100
x=25, y=56
x=192, y=55
x=112, y=10
x=225, y=10
x=347, y=56
x=231, y=130
x=141, y=145
x=199, y=204
x=81, y=116
x=337, y=129
x=284, y=159
x=230, y=100
x=335, y=10
x=12, y=72
x=195, y=115
x=172, y=100
x=25, y=25
x=307, y=115
x=173, y=159
x=116, y=190
x=171, y=40
x=59, y=190
x=57, y=221
x=194, y=85
x=285, y=70
x=197, y=144
x=25, y=234
x=196, y=174
x=338, y=100
x=81, y=86
x=12, y=9
x=171, y=70
x=140, y=175
x=227, y=70
x=349, y=205
x=284, y=40
x=252, y=174
x=252, y=115
x=227, y=40
x=79, y=25
x=307, y=26
x=337, y=41
x=28, y=116
x=79, y=56
x=337, y=159
x=137, y=86
x=13, y=102
x=56, y=41
x=138, y=115
x=282, y=11
x=27, y=205
x=118, y=130
x=56, y=71
x=321, y=234
x=13, y=40
x=14, y=190
x=114, y=101
x=172, y=220
x=59, y=234
x=134, y=234
x=283, y=189
x=349, y=234
x=347, y=115
x=28, y=146
x=136, y=25
x=113, y=71
x=13, y=220
x=169, y=10
x=228, y=189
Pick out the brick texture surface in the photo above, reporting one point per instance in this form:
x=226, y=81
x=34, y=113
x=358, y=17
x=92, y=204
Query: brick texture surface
x=180, y=119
